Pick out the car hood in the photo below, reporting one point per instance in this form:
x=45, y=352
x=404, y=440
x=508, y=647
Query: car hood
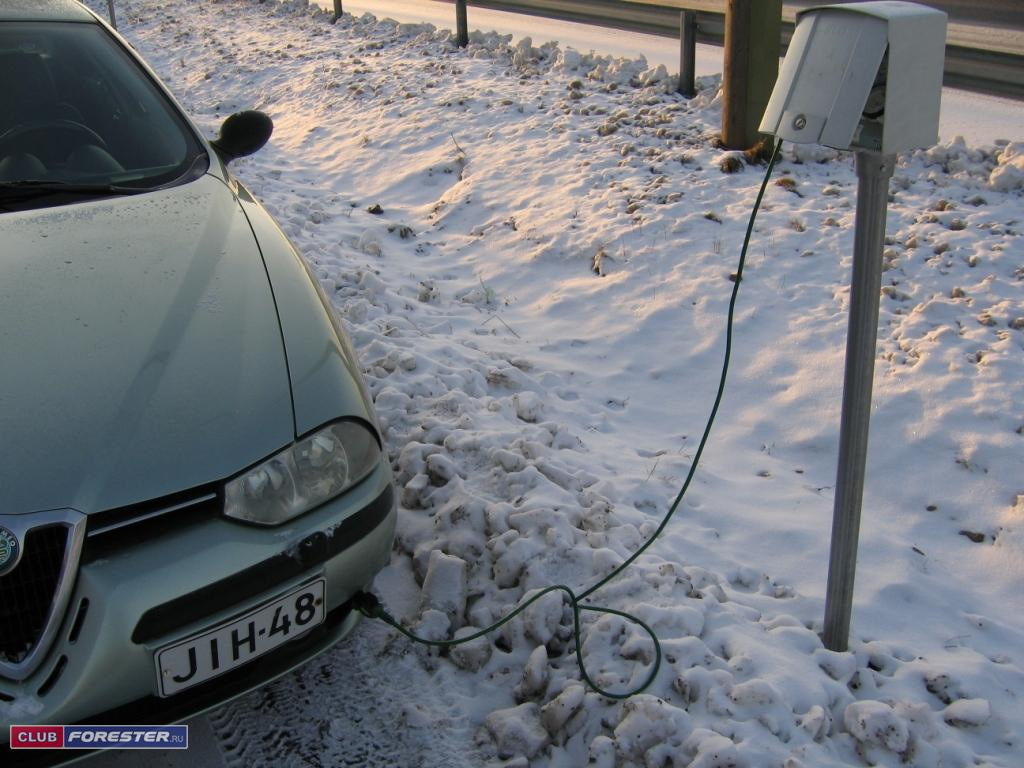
x=140, y=350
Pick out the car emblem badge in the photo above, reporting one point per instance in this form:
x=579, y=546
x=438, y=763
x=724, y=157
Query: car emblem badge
x=9, y=550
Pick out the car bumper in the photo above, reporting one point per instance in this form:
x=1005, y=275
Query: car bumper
x=166, y=589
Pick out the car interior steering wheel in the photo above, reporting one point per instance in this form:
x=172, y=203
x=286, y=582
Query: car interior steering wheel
x=57, y=125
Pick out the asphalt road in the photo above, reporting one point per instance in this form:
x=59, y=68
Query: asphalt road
x=999, y=14
x=987, y=25
x=985, y=44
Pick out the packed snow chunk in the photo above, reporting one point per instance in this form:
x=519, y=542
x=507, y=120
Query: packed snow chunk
x=605, y=560
x=372, y=287
x=390, y=399
x=414, y=492
x=1005, y=178
x=755, y=695
x=817, y=722
x=369, y=242
x=921, y=720
x=440, y=469
x=677, y=619
x=698, y=684
x=1008, y=175
x=811, y=153
x=746, y=577
x=529, y=406
x=954, y=155
x=942, y=686
x=1012, y=152
x=543, y=616
x=508, y=568
x=730, y=162
x=433, y=625
x=556, y=713
x=875, y=723
x=654, y=75
x=968, y=713
x=535, y=675
x=648, y=720
x=517, y=731
x=507, y=460
x=712, y=750
x=568, y=60
x=559, y=475
x=472, y=655
x=637, y=646
x=838, y=666
x=601, y=753
x=445, y=586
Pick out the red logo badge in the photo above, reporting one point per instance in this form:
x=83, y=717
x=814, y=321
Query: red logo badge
x=37, y=737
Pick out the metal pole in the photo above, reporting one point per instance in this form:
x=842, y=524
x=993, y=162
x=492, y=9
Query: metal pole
x=873, y=174
x=337, y=11
x=110, y=13
x=687, y=52
x=461, y=24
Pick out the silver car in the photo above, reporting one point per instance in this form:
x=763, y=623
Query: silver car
x=192, y=483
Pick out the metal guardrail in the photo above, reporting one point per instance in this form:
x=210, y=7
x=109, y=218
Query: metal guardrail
x=996, y=73
x=993, y=72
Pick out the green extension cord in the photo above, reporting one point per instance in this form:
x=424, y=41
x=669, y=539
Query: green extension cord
x=370, y=606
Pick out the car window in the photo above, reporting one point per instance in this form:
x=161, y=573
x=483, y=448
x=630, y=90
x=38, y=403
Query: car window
x=78, y=110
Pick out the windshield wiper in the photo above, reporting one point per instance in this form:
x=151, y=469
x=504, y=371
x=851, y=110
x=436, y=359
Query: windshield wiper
x=31, y=189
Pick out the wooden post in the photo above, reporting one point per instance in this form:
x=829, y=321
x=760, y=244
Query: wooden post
x=461, y=24
x=110, y=13
x=752, y=45
x=687, y=52
x=337, y=11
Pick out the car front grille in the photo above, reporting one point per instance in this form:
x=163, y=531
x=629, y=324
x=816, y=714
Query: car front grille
x=35, y=592
x=112, y=530
x=27, y=593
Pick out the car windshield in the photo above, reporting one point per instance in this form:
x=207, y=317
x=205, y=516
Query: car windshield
x=81, y=118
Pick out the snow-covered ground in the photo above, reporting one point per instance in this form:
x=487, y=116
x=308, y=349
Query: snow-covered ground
x=532, y=248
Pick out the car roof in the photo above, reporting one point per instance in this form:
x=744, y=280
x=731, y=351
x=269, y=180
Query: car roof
x=43, y=10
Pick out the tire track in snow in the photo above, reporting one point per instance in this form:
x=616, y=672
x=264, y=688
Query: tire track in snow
x=365, y=703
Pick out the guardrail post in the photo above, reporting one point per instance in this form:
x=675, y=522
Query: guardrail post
x=110, y=13
x=461, y=24
x=337, y=11
x=687, y=52
x=752, y=43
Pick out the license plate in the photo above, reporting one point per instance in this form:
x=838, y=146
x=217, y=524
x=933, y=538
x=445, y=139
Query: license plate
x=231, y=645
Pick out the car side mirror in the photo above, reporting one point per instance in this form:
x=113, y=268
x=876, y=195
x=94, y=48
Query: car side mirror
x=243, y=133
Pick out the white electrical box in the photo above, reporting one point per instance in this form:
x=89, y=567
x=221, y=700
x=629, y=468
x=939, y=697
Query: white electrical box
x=861, y=76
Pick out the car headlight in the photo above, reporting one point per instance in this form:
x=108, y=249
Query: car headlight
x=303, y=476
